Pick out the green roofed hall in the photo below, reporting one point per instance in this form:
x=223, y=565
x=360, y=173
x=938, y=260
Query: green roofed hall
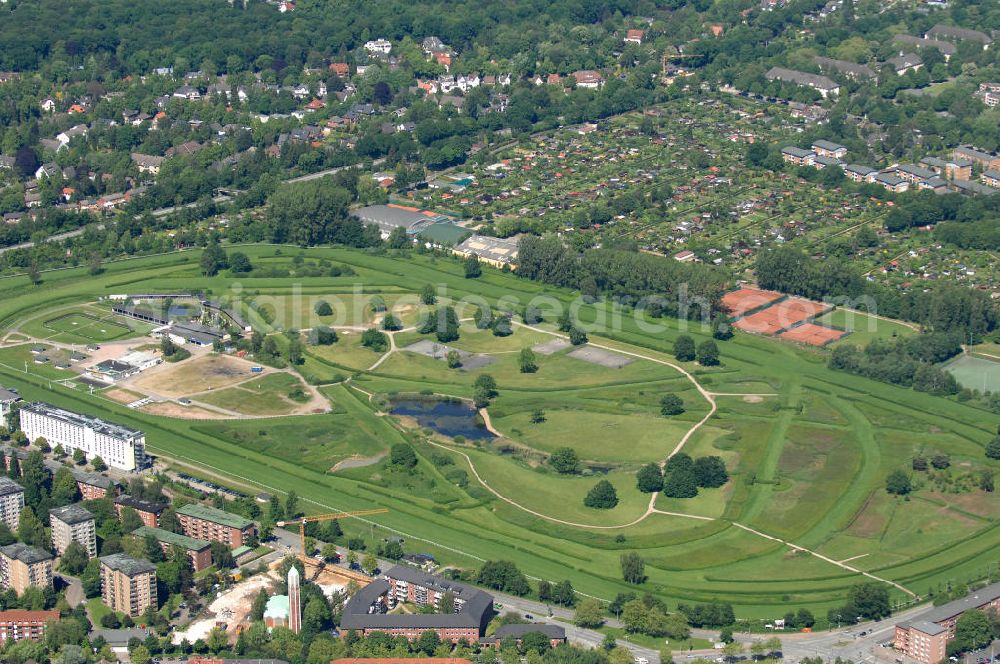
x=161, y=535
x=206, y=513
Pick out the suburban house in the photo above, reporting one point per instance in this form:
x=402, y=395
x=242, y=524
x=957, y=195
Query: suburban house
x=588, y=78
x=905, y=62
x=634, y=36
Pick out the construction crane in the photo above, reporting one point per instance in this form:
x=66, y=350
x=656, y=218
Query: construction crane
x=302, y=521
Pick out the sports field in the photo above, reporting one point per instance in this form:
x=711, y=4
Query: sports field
x=807, y=449
x=975, y=372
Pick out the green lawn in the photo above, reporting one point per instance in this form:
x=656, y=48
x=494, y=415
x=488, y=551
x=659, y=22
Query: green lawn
x=268, y=395
x=975, y=372
x=808, y=464
x=862, y=328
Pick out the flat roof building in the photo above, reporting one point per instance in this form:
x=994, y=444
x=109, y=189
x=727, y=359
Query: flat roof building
x=199, y=551
x=94, y=485
x=23, y=566
x=73, y=523
x=119, y=446
x=208, y=523
x=148, y=511
x=925, y=637
x=495, y=251
x=390, y=217
x=11, y=502
x=128, y=585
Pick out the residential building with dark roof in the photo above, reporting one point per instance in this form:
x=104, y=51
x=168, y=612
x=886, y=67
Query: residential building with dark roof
x=953, y=33
x=821, y=84
x=94, y=485
x=128, y=585
x=891, y=182
x=199, y=551
x=797, y=156
x=952, y=169
x=366, y=611
x=8, y=397
x=23, y=566
x=16, y=625
x=925, y=637
x=985, y=160
x=991, y=178
x=208, y=523
x=829, y=149
x=905, y=62
x=148, y=511
x=11, y=502
x=947, y=49
x=851, y=70
x=556, y=634
x=73, y=523
x=859, y=172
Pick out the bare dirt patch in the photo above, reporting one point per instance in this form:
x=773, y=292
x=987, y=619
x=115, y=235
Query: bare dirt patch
x=198, y=374
x=752, y=398
x=171, y=409
x=122, y=396
x=601, y=357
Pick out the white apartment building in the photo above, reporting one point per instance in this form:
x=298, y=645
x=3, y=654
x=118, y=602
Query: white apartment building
x=382, y=46
x=11, y=502
x=73, y=523
x=119, y=446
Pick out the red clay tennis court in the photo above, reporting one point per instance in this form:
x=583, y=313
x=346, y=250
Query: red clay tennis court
x=814, y=335
x=781, y=316
x=738, y=302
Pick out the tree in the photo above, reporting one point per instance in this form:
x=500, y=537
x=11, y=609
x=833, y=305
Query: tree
x=710, y=472
x=294, y=352
x=382, y=95
x=97, y=463
x=74, y=559
x=680, y=482
x=589, y=614
x=453, y=359
x=79, y=458
x=403, y=456
x=140, y=655
x=649, y=479
x=563, y=593
x=708, y=354
x=868, y=600
x=633, y=567
x=898, y=483
x=633, y=616
x=671, y=404
x=239, y=263
x=213, y=259
x=473, y=268
x=428, y=295
x=537, y=416
x=30, y=530
x=26, y=162
x=323, y=308
x=564, y=460
x=503, y=575
x=487, y=383
x=973, y=630
x=577, y=337
x=322, y=335
x=993, y=448
x=684, y=348
x=535, y=642
x=940, y=461
x=527, y=361
x=391, y=323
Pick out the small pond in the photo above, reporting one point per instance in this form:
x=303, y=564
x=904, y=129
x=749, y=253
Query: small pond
x=448, y=418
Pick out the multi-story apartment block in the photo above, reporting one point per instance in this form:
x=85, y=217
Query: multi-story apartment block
x=94, y=485
x=211, y=524
x=11, y=502
x=985, y=160
x=23, y=566
x=119, y=447
x=925, y=638
x=8, y=397
x=128, y=585
x=18, y=625
x=199, y=551
x=147, y=511
x=73, y=523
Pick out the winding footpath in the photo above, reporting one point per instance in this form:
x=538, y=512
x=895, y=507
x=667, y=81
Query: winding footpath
x=651, y=509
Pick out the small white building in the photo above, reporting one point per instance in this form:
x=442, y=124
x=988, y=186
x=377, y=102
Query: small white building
x=383, y=46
